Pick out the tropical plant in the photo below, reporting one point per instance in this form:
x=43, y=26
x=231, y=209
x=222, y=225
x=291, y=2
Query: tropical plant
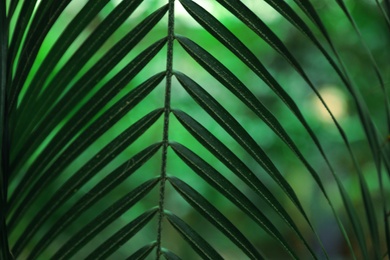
x=195, y=129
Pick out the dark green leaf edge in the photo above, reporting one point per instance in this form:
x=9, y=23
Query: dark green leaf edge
x=353, y=216
x=122, y=236
x=101, y=222
x=384, y=14
x=385, y=212
x=23, y=19
x=386, y=216
x=4, y=152
x=105, y=186
x=201, y=246
x=215, y=217
x=4, y=148
x=225, y=187
x=12, y=7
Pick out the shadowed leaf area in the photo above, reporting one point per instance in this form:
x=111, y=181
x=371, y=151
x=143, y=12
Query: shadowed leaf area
x=194, y=129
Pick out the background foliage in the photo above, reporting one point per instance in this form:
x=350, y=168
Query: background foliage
x=194, y=129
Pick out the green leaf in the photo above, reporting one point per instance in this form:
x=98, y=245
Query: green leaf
x=90, y=109
x=209, y=104
x=122, y=236
x=223, y=75
x=215, y=217
x=100, y=190
x=12, y=6
x=44, y=18
x=218, y=149
x=83, y=53
x=86, y=83
x=353, y=216
x=386, y=216
x=243, y=13
x=20, y=28
x=226, y=188
x=76, y=26
x=102, y=220
x=229, y=40
x=83, y=87
x=78, y=179
x=203, y=248
x=88, y=137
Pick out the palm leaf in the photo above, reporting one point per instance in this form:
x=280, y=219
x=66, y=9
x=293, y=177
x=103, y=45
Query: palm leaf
x=112, y=244
x=145, y=129
x=215, y=217
x=196, y=241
